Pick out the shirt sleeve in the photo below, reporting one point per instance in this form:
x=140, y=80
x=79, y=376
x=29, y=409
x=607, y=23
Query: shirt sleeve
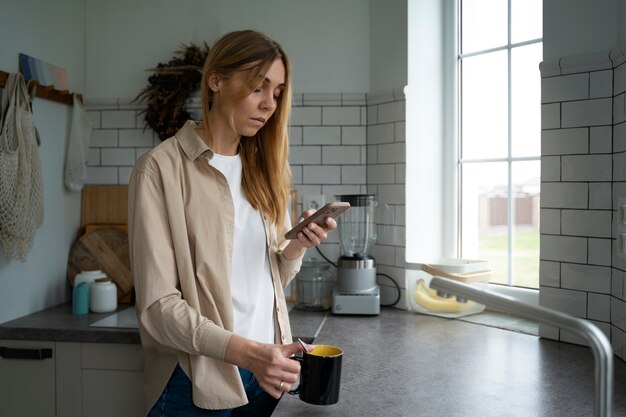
x=163, y=313
x=288, y=267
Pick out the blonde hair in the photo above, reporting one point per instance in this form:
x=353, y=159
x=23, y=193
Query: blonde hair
x=266, y=178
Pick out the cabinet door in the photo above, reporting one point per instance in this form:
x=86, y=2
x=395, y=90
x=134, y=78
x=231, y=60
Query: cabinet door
x=27, y=382
x=112, y=380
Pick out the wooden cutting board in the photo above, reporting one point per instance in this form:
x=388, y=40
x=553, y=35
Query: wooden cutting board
x=104, y=204
x=106, y=249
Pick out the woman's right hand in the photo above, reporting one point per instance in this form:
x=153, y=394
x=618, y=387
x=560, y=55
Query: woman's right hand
x=270, y=364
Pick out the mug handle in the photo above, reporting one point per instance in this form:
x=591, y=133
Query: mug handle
x=297, y=390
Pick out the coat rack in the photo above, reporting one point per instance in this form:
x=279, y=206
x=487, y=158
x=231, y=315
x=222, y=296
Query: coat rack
x=46, y=92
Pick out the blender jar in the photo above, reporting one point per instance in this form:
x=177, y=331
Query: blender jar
x=357, y=226
x=314, y=284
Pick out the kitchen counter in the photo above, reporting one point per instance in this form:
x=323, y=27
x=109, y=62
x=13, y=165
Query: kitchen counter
x=58, y=324
x=404, y=364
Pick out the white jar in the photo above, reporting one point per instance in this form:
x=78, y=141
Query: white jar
x=102, y=296
x=88, y=276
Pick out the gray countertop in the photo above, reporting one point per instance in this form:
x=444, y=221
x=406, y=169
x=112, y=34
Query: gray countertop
x=405, y=364
x=60, y=325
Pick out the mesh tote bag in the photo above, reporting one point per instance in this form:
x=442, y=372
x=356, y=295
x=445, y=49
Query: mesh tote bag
x=21, y=193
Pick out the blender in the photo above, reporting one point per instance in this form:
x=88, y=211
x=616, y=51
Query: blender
x=357, y=291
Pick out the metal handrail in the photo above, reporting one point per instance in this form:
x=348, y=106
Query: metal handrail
x=599, y=343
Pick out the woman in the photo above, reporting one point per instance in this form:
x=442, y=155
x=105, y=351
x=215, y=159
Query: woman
x=207, y=215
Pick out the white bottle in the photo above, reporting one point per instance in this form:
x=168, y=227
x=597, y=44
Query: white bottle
x=102, y=296
x=88, y=276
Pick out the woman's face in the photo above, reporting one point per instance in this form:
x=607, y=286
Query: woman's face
x=251, y=113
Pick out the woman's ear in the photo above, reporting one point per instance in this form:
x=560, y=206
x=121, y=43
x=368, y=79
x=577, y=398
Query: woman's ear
x=214, y=82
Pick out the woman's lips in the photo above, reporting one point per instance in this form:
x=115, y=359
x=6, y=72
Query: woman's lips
x=259, y=121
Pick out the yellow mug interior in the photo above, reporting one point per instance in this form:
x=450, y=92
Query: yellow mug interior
x=326, y=350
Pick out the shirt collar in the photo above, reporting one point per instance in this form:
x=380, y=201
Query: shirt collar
x=191, y=143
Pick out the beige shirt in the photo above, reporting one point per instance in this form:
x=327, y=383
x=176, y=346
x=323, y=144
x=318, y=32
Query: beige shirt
x=181, y=221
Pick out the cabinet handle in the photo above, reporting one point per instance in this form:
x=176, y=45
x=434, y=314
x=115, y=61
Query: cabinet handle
x=17, y=353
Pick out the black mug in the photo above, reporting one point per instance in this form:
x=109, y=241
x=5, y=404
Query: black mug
x=320, y=375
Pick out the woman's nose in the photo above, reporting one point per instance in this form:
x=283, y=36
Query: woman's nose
x=268, y=103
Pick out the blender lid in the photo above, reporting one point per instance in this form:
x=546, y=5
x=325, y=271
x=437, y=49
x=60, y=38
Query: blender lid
x=357, y=200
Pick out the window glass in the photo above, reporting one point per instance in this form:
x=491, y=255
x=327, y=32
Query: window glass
x=484, y=215
x=483, y=24
x=526, y=20
x=484, y=98
x=525, y=234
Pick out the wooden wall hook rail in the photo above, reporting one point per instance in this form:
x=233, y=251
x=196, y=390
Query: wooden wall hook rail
x=46, y=92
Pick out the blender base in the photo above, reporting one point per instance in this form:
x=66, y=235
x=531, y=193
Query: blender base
x=365, y=303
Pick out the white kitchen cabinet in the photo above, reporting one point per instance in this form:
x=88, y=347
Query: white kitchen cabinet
x=100, y=379
x=27, y=386
x=81, y=379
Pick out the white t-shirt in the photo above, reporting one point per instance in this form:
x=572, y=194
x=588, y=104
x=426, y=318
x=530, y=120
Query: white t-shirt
x=251, y=279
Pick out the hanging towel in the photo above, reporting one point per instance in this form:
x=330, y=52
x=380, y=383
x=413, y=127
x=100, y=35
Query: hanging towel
x=21, y=189
x=78, y=148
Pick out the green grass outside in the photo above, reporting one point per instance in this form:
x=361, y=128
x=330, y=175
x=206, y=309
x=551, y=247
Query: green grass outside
x=493, y=248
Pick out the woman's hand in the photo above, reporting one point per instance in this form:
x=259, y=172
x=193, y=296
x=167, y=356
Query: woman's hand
x=310, y=236
x=270, y=364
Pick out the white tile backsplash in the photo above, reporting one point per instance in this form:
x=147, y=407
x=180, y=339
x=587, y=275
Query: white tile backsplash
x=600, y=195
x=353, y=135
x=564, y=195
x=595, y=112
x=583, y=175
x=321, y=135
x=600, y=140
x=563, y=248
x=599, y=307
x=383, y=133
x=339, y=116
x=567, y=301
x=565, y=141
x=321, y=174
x=305, y=155
x=550, y=168
x=306, y=116
x=586, y=168
x=550, y=221
x=104, y=138
x=117, y=157
x=551, y=116
x=116, y=119
x=586, y=278
x=341, y=155
x=565, y=88
x=601, y=84
x=549, y=274
x=135, y=138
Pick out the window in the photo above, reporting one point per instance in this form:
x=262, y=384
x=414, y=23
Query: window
x=498, y=136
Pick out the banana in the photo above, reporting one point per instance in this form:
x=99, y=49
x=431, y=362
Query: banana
x=427, y=298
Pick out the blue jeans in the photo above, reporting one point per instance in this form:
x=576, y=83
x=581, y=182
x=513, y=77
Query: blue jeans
x=176, y=401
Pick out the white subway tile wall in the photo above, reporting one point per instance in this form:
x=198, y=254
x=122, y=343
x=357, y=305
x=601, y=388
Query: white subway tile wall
x=583, y=175
x=339, y=144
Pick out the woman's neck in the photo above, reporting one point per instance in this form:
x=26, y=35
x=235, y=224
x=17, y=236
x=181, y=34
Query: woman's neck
x=221, y=139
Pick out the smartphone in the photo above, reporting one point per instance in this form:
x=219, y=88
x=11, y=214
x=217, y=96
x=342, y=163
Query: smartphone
x=332, y=209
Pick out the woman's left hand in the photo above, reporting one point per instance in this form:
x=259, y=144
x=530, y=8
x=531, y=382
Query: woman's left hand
x=310, y=236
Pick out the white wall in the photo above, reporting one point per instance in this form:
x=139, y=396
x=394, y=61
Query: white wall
x=388, y=45
x=581, y=27
x=26, y=26
x=327, y=40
